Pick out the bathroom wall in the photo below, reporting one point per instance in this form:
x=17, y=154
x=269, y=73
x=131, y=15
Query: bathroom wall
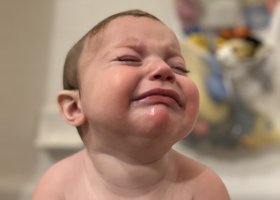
x=24, y=56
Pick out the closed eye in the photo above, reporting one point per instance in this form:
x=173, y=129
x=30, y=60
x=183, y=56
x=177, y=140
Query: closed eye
x=129, y=60
x=177, y=64
x=180, y=70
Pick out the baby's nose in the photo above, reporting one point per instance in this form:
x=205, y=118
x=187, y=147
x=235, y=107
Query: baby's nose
x=162, y=71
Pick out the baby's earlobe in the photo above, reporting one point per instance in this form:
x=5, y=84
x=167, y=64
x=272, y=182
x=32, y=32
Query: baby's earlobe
x=68, y=102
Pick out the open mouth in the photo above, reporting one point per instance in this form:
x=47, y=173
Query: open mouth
x=161, y=96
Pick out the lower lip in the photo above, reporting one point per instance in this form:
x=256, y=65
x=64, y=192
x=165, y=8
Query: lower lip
x=158, y=99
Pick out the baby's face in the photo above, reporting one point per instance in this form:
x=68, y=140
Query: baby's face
x=135, y=84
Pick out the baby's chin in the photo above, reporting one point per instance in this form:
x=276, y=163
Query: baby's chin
x=158, y=119
x=158, y=114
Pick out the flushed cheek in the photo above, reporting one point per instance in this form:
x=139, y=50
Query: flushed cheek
x=112, y=94
x=192, y=100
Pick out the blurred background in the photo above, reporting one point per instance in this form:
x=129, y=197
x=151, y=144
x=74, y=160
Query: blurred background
x=244, y=150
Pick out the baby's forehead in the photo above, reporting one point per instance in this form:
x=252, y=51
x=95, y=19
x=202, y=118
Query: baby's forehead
x=127, y=23
x=131, y=30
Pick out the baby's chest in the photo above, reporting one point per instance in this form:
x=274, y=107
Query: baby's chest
x=83, y=194
x=84, y=191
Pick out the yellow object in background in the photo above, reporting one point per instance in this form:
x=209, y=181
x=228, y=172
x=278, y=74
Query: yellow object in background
x=209, y=109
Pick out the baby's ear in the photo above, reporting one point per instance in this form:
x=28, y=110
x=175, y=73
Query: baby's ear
x=70, y=106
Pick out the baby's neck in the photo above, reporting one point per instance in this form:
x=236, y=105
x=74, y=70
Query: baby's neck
x=126, y=178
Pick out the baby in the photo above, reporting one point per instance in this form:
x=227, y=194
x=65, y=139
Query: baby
x=127, y=91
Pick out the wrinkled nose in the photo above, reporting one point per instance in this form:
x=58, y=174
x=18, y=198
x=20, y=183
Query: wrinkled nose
x=162, y=71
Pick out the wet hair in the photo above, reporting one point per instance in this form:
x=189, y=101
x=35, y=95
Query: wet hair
x=70, y=71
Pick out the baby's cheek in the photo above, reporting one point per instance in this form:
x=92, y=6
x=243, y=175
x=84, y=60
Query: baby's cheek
x=192, y=98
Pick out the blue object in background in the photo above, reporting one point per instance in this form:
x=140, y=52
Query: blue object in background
x=214, y=82
x=256, y=15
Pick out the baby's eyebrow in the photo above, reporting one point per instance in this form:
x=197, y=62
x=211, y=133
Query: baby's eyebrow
x=132, y=43
x=173, y=52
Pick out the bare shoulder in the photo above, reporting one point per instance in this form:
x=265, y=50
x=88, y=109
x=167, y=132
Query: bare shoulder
x=56, y=180
x=205, y=184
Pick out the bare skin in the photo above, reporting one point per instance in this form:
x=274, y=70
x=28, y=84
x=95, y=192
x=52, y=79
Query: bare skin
x=145, y=105
x=179, y=178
